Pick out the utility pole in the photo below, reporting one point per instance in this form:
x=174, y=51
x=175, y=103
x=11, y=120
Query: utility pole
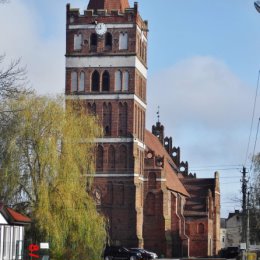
x=244, y=206
x=247, y=225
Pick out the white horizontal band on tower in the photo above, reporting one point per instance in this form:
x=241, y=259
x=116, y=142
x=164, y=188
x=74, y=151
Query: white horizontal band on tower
x=107, y=97
x=106, y=61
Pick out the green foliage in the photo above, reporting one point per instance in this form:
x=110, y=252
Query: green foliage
x=48, y=154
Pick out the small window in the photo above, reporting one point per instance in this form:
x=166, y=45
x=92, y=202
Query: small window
x=126, y=81
x=108, y=41
x=123, y=41
x=74, y=81
x=81, y=81
x=93, y=42
x=95, y=81
x=77, y=42
x=105, y=81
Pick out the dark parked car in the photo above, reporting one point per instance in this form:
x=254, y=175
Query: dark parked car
x=119, y=252
x=230, y=252
x=147, y=255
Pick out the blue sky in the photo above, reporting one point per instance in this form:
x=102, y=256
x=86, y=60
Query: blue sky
x=203, y=58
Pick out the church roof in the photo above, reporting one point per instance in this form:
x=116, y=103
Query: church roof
x=198, y=190
x=172, y=180
x=109, y=5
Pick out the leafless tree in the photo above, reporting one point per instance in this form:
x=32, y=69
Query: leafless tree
x=12, y=79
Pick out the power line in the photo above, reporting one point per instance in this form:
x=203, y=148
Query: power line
x=252, y=120
x=257, y=130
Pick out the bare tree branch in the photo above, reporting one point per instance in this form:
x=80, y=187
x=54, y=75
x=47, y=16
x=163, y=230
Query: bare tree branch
x=12, y=79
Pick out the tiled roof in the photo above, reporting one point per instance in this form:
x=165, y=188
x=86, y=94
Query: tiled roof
x=198, y=190
x=17, y=217
x=173, y=182
x=108, y=5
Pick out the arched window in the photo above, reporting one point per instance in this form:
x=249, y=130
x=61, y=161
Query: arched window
x=93, y=42
x=118, y=80
x=82, y=81
x=200, y=228
x=77, y=42
x=99, y=158
x=152, y=180
x=122, y=157
x=74, y=81
x=107, y=118
x=150, y=204
x=105, y=81
x=126, y=81
x=111, y=157
x=108, y=41
x=123, y=41
x=95, y=81
x=122, y=131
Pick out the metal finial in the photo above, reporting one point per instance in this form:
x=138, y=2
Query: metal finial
x=158, y=114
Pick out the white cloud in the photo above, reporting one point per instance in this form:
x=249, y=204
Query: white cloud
x=20, y=28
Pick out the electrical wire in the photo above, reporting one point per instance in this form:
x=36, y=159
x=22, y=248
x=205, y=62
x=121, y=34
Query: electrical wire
x=252, y=120
x=257, y=130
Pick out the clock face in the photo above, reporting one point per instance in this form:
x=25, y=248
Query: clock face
x=101, y=28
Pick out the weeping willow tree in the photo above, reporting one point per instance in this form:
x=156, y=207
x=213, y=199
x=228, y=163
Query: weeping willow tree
x=46, y=157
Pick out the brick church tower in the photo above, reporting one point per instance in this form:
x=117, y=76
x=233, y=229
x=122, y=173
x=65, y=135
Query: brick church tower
x=106, y=69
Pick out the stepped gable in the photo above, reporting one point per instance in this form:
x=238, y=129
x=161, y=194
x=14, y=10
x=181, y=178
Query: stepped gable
x=108, y=5
x=199, y=191
x=172, y=181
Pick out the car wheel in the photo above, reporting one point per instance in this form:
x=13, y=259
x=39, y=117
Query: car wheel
x=132, y=257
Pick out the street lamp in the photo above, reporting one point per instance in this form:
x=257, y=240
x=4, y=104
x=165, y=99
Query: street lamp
x=257, y=6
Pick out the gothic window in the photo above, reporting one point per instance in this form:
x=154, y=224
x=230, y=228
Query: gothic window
x=122, y=131
x=93, y=42
x=99, y=158
x=111, y=157
x=122, y=157
x=105, y=81
x=126, y=81
x=74, y=81
x=95, y=81
x=118, y=80
x=82, y=81
x=150, y=204
x=107, y=118
x=200, y=228
x=152, y=180
x=123, y=41
x=77, y=42
x=108, y=41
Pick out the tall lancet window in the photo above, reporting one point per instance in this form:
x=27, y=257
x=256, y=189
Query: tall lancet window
x=126, y=81
x=99, y=158
x=123, y=41
x=77, y=42
x=82, y=81
x=122, y=157
x=74, y=81
x=107, y=118
x=122, y=131
x=111, y=157
x=105, y=81
x=118, y=80
x=95, y=81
